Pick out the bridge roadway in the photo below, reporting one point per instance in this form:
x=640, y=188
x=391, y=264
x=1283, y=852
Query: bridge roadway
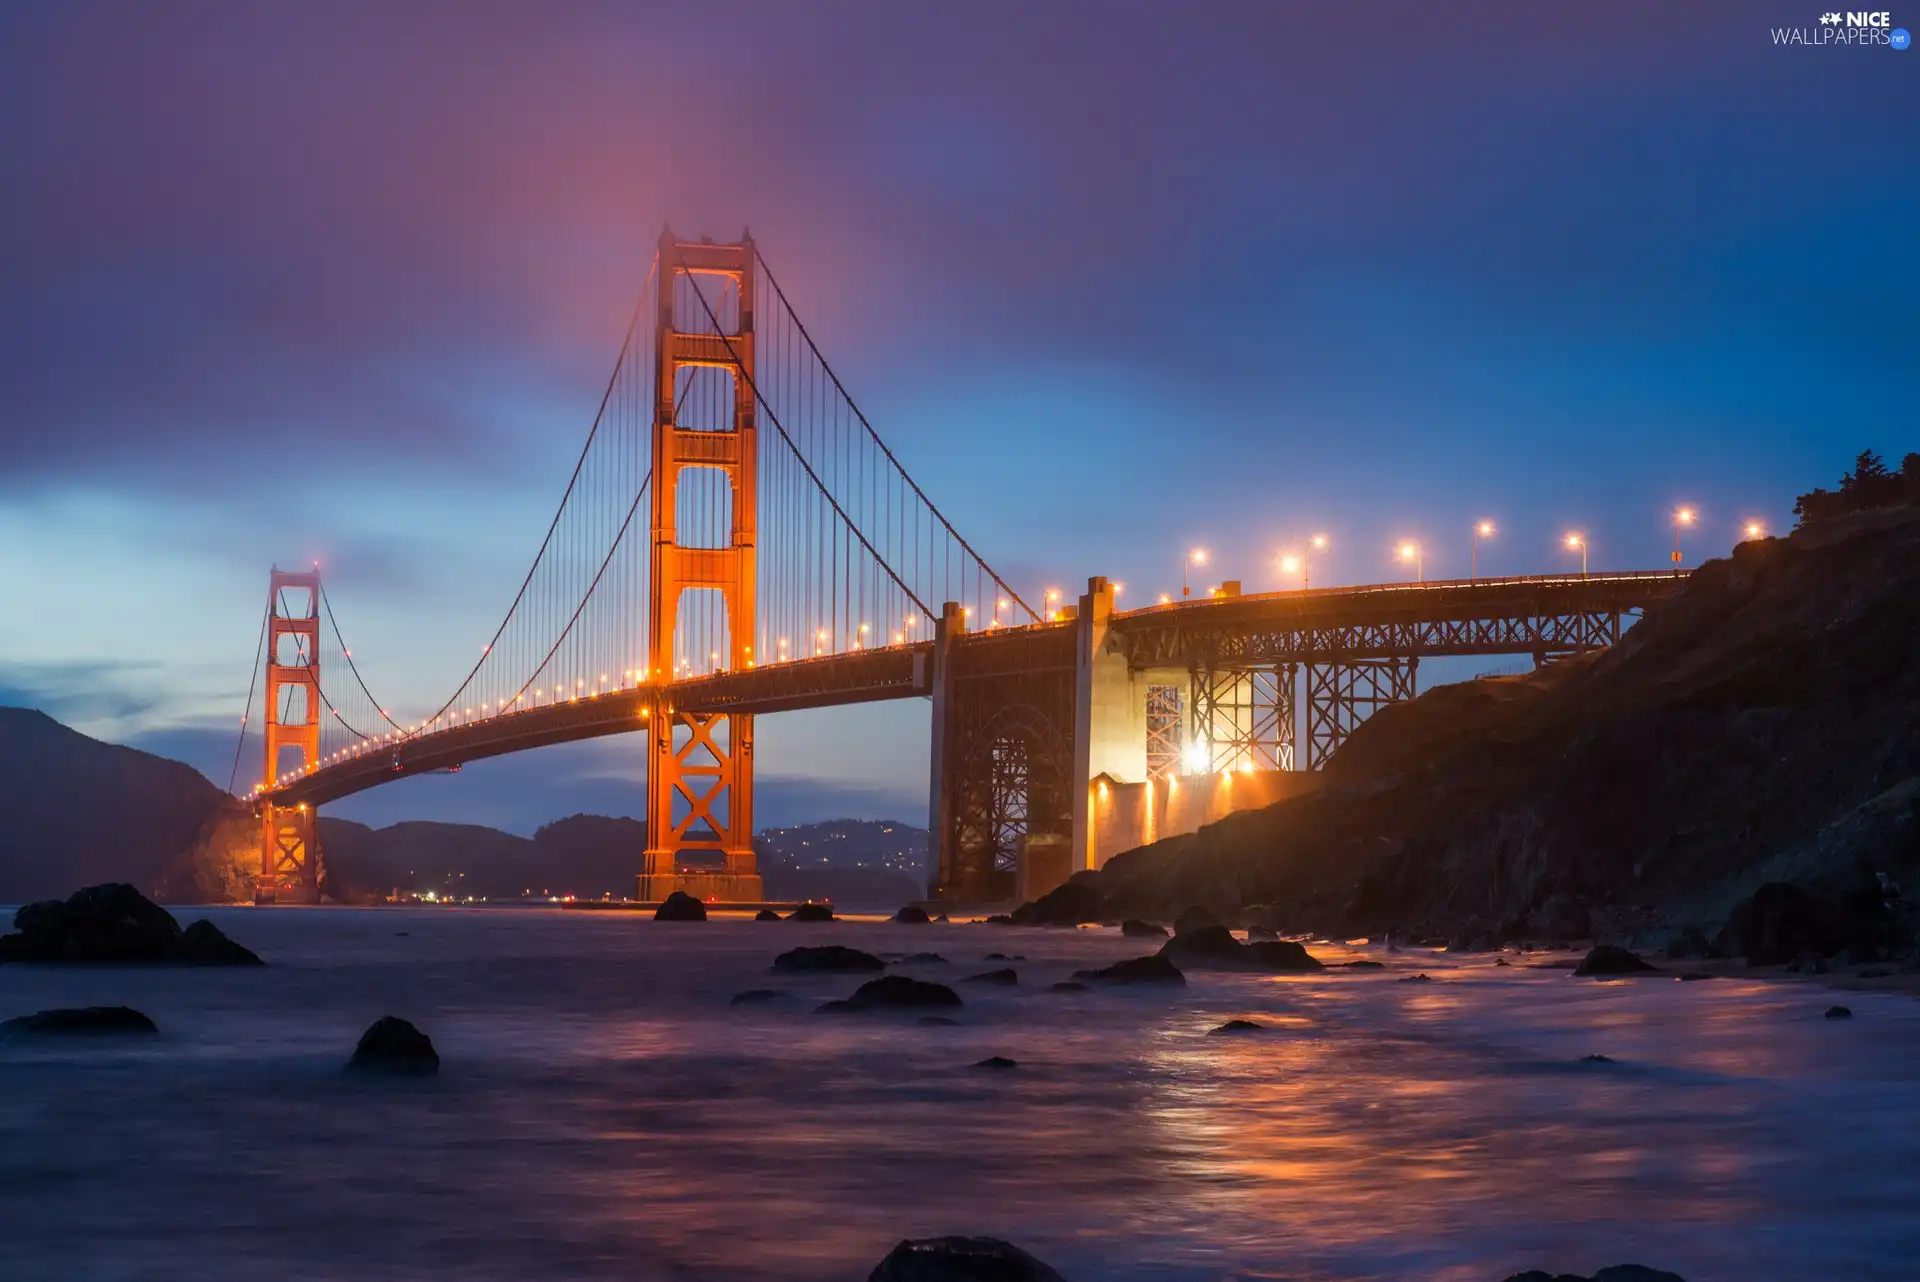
x=1533, y=615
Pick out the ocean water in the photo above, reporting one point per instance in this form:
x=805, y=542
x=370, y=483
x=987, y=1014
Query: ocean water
x=602, y=1112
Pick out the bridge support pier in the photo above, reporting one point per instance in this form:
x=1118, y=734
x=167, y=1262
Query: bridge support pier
x=289, y=835
x=289, y=856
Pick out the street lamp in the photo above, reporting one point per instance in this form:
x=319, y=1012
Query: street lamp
x=1755, y=530
x=1053, y=594
x=1484, y=530
x=1681, y=516
x=1196, y=556
x=1318, y=543
x=1579, y=541
x=1289, y=564
x=1411, y=552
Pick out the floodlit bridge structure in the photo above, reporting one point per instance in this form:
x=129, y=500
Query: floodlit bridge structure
x=736, y=540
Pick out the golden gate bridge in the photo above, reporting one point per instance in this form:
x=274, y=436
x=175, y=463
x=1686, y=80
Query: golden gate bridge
x=736, y=539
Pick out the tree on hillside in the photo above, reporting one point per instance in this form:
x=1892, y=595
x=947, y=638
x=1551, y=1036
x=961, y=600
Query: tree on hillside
x=1869, y=484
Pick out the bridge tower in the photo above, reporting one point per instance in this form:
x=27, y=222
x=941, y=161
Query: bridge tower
x=700, y=765
x=289, y=835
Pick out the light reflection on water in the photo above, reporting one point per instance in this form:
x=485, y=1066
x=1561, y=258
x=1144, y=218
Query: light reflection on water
x=603, y=1113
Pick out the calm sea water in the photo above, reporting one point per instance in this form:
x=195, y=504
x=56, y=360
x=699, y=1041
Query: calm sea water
x=603, y=1113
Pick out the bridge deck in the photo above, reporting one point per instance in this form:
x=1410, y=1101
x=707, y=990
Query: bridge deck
x=1487, y=616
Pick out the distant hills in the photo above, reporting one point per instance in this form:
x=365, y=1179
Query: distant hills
x=75, y=811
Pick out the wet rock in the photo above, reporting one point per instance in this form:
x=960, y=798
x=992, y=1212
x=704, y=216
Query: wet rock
x=1074, y=901
x=1692, y=976
x=1501, y=961
x=997, y=1061
x=826, y=957
x=1000, y=919
x=392, y=1045
x=1193, y=919
x=1214, y=948
x=811, y=912
x=1234, y=1027
x=764, y=997
x=1261, y=932
x=1133, y=928
x=117, y=925
x=82, y=1021
x=923, y=959
x=1368, y=964
x=1421, y=978
x=942, y=918
x=961, y=1259
x=766, y=914
x=1839, y=1012
x=995, y=957
x=680, y=906
x=897, y=992
x=1595, y=1059
x=912, y=915
x=1136, y=970
x=1611, y=959
x=1069, y=986
x=1005, y=977
x=203, y=944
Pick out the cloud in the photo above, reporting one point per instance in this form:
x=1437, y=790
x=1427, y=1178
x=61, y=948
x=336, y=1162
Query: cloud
x=81, y=693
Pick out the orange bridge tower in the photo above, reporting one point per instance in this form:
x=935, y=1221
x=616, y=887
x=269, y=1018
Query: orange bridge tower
x=700, y=765
x=289, y=836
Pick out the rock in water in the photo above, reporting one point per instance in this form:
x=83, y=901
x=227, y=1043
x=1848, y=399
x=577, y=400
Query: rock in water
x=766, y=914
x=1214, y=947
x=1839, y=1012
x=1611, y=959
x=912, y=915
x=811, y=912
x=680, y=906
x=827, y=957
x=1782, y=921
x=1235, y=1026
x=115, y=924
x=1193, y=919
x=923, y=959
x=1261, y=932
x=393, y=1045
x=83, y=1021
x=203, y=944
x=897, y=992
x=1069, y=904
x=961, y=1259
x=1136, y=970
x=997, y=1061
x=1136, y=929
x=1005, y=977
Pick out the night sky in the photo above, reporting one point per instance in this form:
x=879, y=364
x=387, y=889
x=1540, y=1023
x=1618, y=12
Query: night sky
x=345, y=282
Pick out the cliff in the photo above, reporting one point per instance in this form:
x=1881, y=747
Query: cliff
x=1765, y=725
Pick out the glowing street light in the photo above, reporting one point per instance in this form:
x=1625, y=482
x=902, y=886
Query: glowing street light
x=1482, y=530
x=1196, y=757
x=1195, y=556
x=1317, y=543
x=1579, y=541
x=1681, y=516
x=1411, y=552
x=1291, y=564
x=1755, y=530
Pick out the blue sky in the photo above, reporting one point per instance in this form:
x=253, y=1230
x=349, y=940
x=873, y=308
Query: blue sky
x=345, y=283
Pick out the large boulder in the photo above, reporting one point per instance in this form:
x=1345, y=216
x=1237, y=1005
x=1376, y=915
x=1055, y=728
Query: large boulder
x=1611, y=959
x=82, y=1021
x=912, y=915
x=766, y=914
x=115, y=924
x=1075, y=901
x=1155, y=969
x=896, y=992
x=1005, y=977
x=680, y=906
x=1134, y=929
x=1214, y=948
x=827, y=957
x=811, y=912
x=961, y=1259
x=1781, y=921
x=394, y=1046
x=1192, y=919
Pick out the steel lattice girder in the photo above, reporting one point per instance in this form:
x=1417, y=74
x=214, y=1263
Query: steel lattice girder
x=1342, y=695
x=1246, y=716
x=1164, y=724
x=1222, y=647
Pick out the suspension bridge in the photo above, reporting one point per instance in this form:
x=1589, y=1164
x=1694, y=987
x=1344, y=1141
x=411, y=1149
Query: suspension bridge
x=737, y=540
